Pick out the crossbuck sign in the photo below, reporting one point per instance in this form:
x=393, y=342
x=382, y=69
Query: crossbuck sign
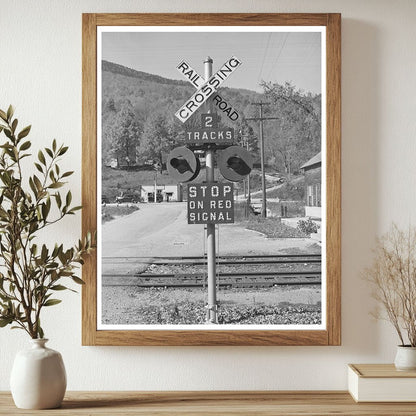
x=207, y=89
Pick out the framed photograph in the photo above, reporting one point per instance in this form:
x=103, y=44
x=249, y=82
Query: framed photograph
x=211, y=172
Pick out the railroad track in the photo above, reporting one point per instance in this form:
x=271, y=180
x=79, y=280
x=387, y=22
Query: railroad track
x=195, y=260
x=234, y=272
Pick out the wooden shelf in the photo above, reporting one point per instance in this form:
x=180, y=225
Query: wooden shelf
x=318, y=403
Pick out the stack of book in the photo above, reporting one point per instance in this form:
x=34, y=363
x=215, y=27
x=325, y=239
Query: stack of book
x=381, y=383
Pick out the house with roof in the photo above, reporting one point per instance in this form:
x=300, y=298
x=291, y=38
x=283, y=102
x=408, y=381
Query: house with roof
x=313, y=180
x=164, y=193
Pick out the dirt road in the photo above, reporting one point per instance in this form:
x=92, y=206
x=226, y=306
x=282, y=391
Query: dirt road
x=162, y=230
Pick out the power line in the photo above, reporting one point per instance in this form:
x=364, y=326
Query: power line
x=264, y=57
x=278, y=55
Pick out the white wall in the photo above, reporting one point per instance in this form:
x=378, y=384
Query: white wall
x=40, y=73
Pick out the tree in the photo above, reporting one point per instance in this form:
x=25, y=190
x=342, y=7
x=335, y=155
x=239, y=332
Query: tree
x=156, y=139
x=288, y=94
x=109, y=113
x=109, y=106
x=246, y=137
x=123, y=135
x=296, y=134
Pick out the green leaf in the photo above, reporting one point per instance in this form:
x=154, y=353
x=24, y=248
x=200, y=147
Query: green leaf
x=44, y=253
x=63, y=150
x=14, y=125
x=67, y=174
x=76, y=279
x=3, y=115
x=41, y=157
x=59, y=287
x=68, y=198
x=51, y=302
x=55, y=251
x=37, y=182
x=54, y=145
x=25, y=145
x=8, y=133
x=45, y=210
x=40, y=332
x=5, y=321
x=49, y=152
x=39, y=167
x=56, y=185
x=58, y=199
x=33, y=187
x=24, y=133
x=62, y=257
x=10, y=112
x=77, y=208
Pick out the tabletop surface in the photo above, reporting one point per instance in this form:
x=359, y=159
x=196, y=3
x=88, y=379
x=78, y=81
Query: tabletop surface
x=179, y=403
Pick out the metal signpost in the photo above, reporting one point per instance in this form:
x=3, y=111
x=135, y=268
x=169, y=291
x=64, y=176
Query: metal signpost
x=209, y=203
x=212, y=307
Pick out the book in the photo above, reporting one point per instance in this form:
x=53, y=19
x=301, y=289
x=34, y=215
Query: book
x=381, y=383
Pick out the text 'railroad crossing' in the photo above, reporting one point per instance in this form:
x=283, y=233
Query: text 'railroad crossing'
x=207, y=89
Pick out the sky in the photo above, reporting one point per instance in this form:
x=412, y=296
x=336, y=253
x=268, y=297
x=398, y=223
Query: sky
x=269, y=56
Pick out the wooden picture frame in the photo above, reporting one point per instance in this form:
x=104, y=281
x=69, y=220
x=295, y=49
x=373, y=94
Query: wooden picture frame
x=331, y=334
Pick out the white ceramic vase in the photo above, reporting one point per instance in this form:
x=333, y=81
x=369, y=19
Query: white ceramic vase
x=38, y=378
x=405, y=358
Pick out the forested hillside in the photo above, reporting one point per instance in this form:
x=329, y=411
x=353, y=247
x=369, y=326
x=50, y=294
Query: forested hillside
x=138, y=122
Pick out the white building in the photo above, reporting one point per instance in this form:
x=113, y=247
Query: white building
x=164, y=193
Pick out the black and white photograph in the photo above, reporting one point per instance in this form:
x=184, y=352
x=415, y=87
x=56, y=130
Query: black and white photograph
x=211, y=174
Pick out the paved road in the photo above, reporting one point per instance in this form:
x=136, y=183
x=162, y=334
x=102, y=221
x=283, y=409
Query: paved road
x=146, y=232
x=162, y=230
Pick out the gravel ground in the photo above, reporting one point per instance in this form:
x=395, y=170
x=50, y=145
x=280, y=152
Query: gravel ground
x=278, y=305
x=238, y=268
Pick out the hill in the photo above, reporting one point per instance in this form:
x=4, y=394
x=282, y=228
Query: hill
x=139, y=125
x=148, y=93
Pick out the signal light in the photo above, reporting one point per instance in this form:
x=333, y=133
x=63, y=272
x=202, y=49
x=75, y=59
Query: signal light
x=235, y=163
x=182, y=164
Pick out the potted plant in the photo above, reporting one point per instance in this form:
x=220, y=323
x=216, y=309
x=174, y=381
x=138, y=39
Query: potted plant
x=393, y=277
x=31, y=273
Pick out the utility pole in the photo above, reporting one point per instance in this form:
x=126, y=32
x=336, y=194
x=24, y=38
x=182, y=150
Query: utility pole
x=212, y=315
x=248, y=185
x=261, y=118
x=247, y=192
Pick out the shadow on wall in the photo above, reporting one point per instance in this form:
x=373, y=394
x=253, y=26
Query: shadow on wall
x=360, y=181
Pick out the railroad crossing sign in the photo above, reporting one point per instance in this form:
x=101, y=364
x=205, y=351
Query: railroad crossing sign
x=197, y=81
x=190, y=74
x=226, y=108
x=207, y=89
x=201, y=136
x=210, y=133
x=210, y=203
